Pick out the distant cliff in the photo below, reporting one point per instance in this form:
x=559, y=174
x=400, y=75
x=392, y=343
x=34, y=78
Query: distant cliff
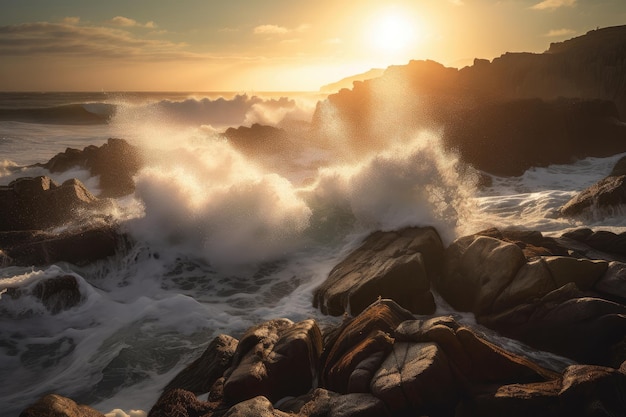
x=347, y=82
x=570, y=98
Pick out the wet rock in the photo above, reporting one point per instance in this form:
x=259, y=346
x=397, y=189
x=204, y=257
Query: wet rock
x=199, y=376
x=180, y=403
x=53, y=405
x=613, y=283
x=323, y=403
x=40, y=203
x=58, y=294
x=274, y=359
x=607, y=195
x=79, y=247
x=115, y=163
x=353, y=353
x=602, y=240
x=395, y=265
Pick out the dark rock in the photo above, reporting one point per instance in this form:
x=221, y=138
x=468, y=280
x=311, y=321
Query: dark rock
x=115, y=163
x=601, y=240
x=40, y=203
x=58, y=294
x=259, y=138
x=79, y=247
x=566, y=323
x=274, y=359
x=180, y=403
x=607, y=195
x=199, y=376
x=416, y=377
x=323, y=403
x=592, y=391
x=53, y=405
x=396, y=265
x=613, y=283
x=353, y=353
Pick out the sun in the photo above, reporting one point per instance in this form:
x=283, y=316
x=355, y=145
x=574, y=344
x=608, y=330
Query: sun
x=392, y=31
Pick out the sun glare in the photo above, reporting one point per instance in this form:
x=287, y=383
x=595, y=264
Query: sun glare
x=392, y=32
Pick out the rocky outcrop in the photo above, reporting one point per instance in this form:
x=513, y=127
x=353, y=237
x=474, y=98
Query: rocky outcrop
x=115, y=163
x=259, y=139
x=40, y=203
x=53, y=405
x=397, y=265
x=504, y=116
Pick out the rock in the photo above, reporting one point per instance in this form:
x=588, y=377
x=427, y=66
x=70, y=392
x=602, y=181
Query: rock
x=607, y=195
x=416, y=377
x=582, y=272
x=477, y=269
x=53, y=405
x=255, y=407
x=58, y=294
x=353, y=352
x=40, y=203
x=274, y=359
x=180, y=403
x=331, y=404
x=583, y=390
x=259, y=138
x=601, y=240
x=199, y=376
x=115, y=163
x=395, y=265
x=613, y=282
x=567, y=323
x=533, y=280
x=473, y=359
x=79, y=247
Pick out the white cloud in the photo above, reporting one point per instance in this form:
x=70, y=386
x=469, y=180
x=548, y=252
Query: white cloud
x=553, y=4
x=127, y=22
x=556, y=33
x=71, y=20
x=270, y=30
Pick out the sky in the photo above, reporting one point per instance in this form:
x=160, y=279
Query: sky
x=266, y=45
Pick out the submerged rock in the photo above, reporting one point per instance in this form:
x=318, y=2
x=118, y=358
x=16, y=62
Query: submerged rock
x=397, y=265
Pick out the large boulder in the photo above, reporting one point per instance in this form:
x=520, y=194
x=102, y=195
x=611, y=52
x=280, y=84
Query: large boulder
x=396, y=265
x=200, y=375
x=321, y=402
x=40, y=203
x=180, y=403
x=115, y=163
x=274, y=359
x=607, y=195
x=53, y=405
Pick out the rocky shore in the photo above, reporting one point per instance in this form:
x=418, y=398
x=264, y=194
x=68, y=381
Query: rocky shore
x=394, y=356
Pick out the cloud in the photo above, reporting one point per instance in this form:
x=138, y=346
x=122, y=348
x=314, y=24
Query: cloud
x=553, y=4
x=127, y=22
x=71, y=20
x=557, y=33
x=54, y=39
x=270, y=30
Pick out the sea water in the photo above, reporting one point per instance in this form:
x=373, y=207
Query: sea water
x=224, y=238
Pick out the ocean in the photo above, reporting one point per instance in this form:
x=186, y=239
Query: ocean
x=225, y=237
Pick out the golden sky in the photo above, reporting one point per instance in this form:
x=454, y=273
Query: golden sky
x=269, y=45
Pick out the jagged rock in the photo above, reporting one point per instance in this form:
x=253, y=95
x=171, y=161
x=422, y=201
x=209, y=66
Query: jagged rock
x=115, y=163
x=199, y=376
x=180, y=403
x=274, y=359
x=40, y=203
x=79, y=247
x=353, y=353
x=53, y=405
x=396, y=265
